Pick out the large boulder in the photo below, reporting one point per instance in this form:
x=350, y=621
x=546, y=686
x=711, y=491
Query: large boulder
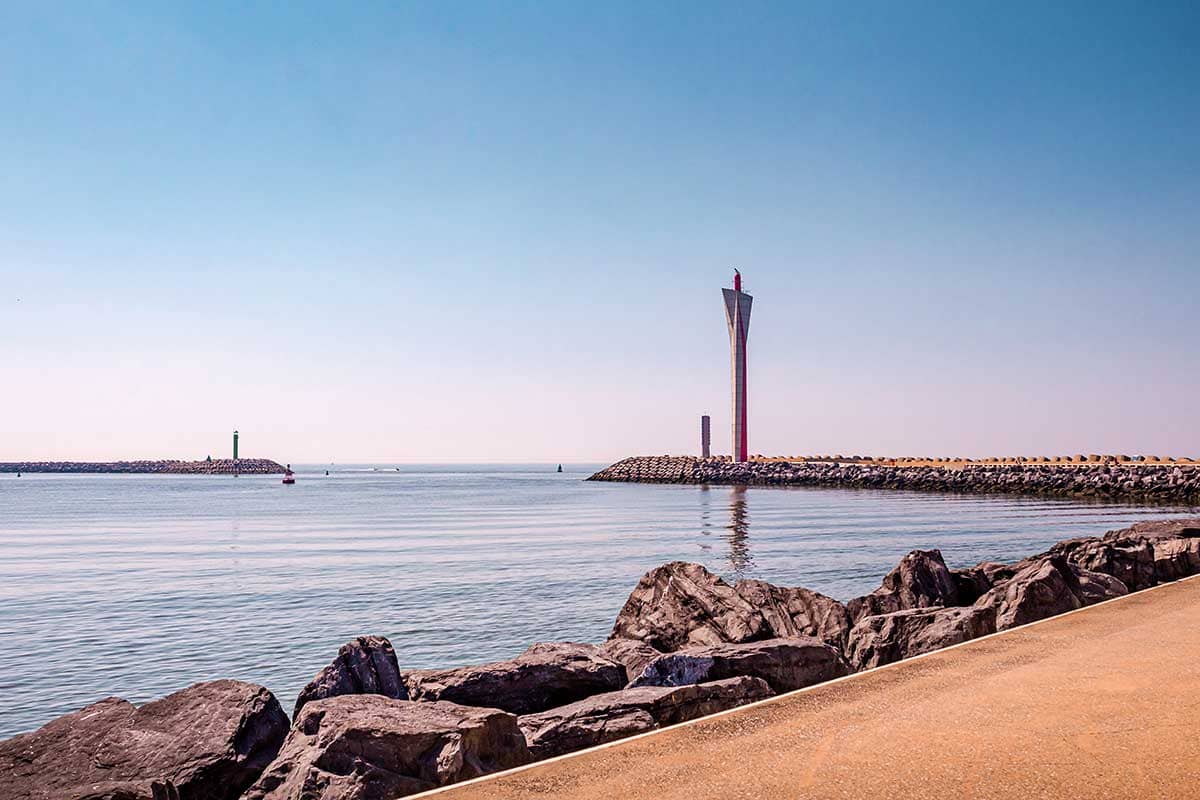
x=631, y=653
x=796, y=611
x=1176, y=558
x=920, y=580
x=1043, y=588
x=366, y=665
x=544, y=676
x=372, y=747
x=1131, y=560
x=615, y=715
x=885, y=638
x=785, y=664
x=681, y=604
x=1096, y=587
x=1174, y=545
x=207, y=742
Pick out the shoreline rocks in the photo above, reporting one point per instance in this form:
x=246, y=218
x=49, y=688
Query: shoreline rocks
x=1129, y=560
x=685, y=644
x=681, y=604
x=920, y=580
x=1045, y=588
x=1143, y=481
x=208, y=741
x=785, y=664
x=544, y=676
x=366, y=665
x=1174, y=544
x=631, y=654
x=1096, y=587
x=607, y=717
x=371, y=747
x=796, y=611
x=885, y=638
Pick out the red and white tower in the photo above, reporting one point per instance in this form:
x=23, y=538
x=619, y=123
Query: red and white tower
x=737, y=313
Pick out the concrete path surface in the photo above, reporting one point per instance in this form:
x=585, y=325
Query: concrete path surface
x=1100, y=703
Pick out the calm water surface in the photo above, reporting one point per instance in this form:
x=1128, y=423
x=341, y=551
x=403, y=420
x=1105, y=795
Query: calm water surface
x=137, y=585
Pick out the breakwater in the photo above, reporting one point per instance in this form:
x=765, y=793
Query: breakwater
x=219, y=466
x=1177, y=483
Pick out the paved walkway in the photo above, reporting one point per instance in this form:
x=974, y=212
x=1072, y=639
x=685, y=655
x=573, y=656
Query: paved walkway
x=1101, y=703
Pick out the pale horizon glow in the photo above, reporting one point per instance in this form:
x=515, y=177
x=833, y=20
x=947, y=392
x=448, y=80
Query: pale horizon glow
x=469, y=233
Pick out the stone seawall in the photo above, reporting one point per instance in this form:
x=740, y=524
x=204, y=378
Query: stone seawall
x=221, y=466
x=1159, y=483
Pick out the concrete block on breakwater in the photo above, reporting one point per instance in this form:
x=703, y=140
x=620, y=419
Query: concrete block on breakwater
x=219, y=466
x=1162, y=482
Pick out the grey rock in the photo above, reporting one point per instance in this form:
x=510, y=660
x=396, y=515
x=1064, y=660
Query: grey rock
x=1174, y=545
x=544, y=676
x=1095, y=587
x=207, y=742
x=920, y=580
x=785, y=664
x=366, y=665
x=1043, y=588
x=1131, y=560
x=681, y=604
x=631, y=653
x=796, y=611
x=1176, y=558
x=885, y=638
x=615, y=715
x=372, y=747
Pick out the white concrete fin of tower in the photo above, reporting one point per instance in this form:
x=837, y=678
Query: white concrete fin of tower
x=737, y=315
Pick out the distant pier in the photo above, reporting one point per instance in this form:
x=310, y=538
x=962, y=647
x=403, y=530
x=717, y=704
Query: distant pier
x=1114, y=478
x=217, y=466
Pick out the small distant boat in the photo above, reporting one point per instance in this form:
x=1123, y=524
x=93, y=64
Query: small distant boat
x=560, y=467
x=289, y=477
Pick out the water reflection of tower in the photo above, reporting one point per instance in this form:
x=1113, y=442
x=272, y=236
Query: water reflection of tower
x=740, y=560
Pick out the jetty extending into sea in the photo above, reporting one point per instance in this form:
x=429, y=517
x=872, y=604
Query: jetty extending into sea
x=216, y=466
x=1115, y=478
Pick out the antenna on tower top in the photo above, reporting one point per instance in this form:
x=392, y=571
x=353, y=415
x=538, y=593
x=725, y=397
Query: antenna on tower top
x=737, y=280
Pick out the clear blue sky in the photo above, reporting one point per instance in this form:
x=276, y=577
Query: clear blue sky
x=498, y=232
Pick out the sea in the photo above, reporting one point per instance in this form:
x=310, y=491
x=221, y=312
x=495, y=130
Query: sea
x=138, y=585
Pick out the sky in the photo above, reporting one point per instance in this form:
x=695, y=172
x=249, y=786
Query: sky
x=498, y=232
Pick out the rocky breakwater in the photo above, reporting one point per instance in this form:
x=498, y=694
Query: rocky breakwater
x=1176, y=483
x=685, y=644
x=218, y=466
